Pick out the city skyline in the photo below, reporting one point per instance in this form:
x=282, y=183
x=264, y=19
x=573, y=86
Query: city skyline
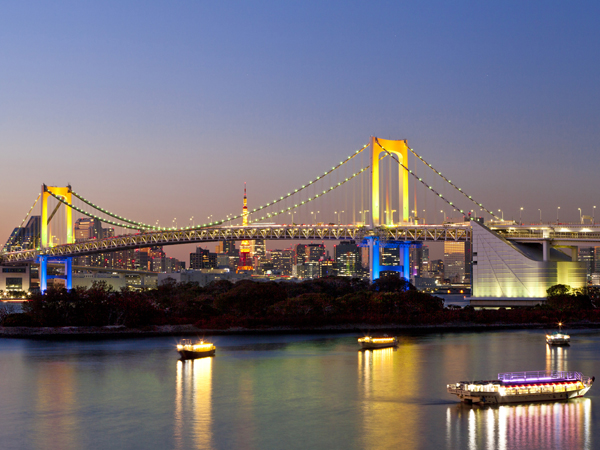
x=160, y=111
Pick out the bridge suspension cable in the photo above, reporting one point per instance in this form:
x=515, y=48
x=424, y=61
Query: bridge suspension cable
x=315, y=197
x=93, y=216
x=433, y=190
x=115, y=216
x=450, y=183
x=11, y=239
x=134, y=225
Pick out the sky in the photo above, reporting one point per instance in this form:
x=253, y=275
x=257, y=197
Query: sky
x=159, y=110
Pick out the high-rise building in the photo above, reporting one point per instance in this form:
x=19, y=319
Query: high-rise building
x=203, y=259
x=300, y=254
x=227, y=248
x=454, y=261
x=287, y=261
x=26, y=237
x=327, y=267
x=588, y=255
x=347, y=259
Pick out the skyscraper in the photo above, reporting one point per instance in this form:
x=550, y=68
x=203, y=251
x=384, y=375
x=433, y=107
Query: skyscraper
x=347, y=259
x=454, y=261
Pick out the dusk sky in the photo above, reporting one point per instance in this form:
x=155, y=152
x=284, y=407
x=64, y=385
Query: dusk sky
x=156, y=110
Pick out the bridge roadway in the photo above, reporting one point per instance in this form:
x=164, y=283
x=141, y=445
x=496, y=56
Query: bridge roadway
x=452, y=232
x=564, y=234
x=556, y=234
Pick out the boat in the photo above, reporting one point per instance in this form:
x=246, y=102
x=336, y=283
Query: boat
x=558, y=338
x=523, y=387
x=371, y=342
x=188, y=350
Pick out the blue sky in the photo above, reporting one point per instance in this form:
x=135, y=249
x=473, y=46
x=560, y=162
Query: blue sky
x=158, y=110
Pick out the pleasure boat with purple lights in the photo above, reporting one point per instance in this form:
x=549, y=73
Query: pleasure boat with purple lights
x=522, y=387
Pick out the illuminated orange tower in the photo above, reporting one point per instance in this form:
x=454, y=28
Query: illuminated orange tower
x=245, y=247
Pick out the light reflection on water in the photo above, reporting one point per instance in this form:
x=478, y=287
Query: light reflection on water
x=292, y=392
x=193, y=393
x=556, y=425
x=557, y=358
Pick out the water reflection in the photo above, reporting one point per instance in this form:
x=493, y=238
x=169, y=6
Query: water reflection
x=557, y=358
x=548, y=425
x=382, y=373
x=58, y=426
x=193, y=403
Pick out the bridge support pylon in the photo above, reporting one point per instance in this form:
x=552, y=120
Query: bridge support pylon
x=399, y=149
x=375, y=266
x=66, y=193
x=44, y=260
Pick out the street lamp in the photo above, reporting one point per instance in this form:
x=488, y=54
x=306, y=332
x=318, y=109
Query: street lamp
x=209, y=219
x=443, y=215
x=501, y=212
x=540, y=215
x=424, y=217
x=520, y=213
x=594, y=215
x=580, y=221
x=338, y=214
x=363, y=215
x=557, y=208
x=315, y=216
x=175, y=222
x=292, y=214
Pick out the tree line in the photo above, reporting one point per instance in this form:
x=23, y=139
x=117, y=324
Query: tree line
x=247, y=303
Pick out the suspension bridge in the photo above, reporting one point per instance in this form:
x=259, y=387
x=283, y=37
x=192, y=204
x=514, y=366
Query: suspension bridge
x=369, y=187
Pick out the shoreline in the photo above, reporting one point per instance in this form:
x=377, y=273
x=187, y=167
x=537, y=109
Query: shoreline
x=122, y=332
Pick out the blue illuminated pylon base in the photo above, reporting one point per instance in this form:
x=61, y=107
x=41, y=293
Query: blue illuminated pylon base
x=375, y=266
x=43, y=261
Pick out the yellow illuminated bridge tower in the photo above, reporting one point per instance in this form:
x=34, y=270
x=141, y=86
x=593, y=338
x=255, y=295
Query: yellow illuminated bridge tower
x=398, y=150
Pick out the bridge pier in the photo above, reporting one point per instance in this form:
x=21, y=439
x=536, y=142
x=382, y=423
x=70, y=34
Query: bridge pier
x=43, y=261
x=375, y=266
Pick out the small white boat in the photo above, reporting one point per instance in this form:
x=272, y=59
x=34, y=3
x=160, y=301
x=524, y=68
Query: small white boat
x=523, y=387
x=188, y=350
x=371, y=342
x=558, y=338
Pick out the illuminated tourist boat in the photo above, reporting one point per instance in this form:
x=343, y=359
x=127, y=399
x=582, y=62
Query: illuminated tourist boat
x=557, y=338
x=187, y=350
x=521, y=387
x=370, y=342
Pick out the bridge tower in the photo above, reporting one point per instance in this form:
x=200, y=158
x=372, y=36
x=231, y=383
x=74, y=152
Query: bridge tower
x=399, y=150
x=46, y=235
x=66, y=194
